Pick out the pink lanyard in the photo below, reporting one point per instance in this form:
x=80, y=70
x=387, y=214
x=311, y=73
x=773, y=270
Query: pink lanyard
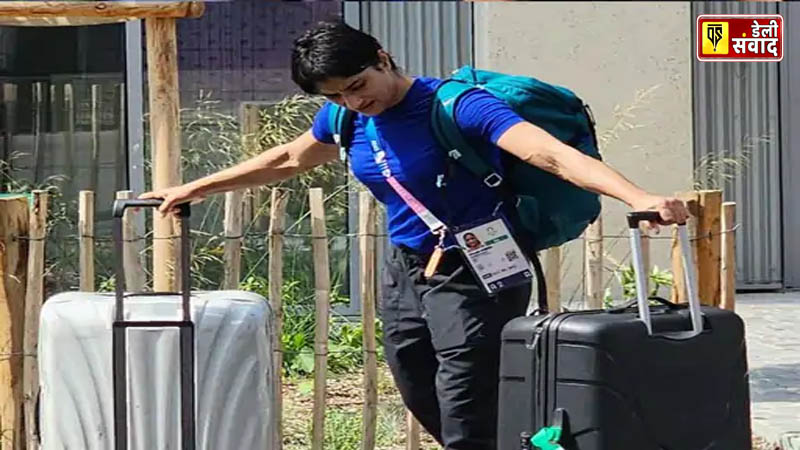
x=434, y=224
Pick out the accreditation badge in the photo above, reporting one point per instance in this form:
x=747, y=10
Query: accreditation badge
x=494, y=255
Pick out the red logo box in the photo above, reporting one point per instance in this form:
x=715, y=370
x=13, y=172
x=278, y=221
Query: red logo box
x=739, y=37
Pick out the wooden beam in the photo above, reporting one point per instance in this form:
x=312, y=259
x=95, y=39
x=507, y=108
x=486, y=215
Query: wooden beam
x=162, y=69
x=13, y=271
x=110, y=10
x=34, y=298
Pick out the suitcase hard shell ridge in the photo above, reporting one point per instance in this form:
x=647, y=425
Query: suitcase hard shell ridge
x=234, y=371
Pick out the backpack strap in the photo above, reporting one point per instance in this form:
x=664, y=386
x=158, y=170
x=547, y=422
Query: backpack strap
x=449, y=136
x=341, y=123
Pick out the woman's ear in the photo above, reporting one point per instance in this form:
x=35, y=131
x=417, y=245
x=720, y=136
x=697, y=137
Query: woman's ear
x=383, y=61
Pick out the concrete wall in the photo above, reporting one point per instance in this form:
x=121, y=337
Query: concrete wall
x=608, y=53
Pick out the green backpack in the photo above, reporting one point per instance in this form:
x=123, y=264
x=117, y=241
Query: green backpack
x=551, y=210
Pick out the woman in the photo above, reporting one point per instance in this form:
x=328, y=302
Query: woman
x=442, y=330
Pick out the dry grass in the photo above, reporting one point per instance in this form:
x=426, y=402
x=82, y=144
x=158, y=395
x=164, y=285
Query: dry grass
x=761, y=444
x=343, y=414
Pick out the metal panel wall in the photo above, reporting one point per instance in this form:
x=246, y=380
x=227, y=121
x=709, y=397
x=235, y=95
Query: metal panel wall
x=790, y=132
x=737, y=120
x=424, y=38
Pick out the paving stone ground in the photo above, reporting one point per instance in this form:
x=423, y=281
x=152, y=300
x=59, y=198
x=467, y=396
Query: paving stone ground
x=772, y=324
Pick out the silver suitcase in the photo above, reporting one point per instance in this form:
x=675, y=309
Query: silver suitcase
x=154, y=371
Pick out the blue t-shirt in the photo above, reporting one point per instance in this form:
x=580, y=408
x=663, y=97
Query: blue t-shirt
x=416, y=161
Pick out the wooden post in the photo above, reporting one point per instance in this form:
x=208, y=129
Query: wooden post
x=233, y=239
x=594, y=264
x=10, y=108
x=69, y=136
x=34, y=297
x=14, y=223
x=552, y=275
x=709, y=247
x=55, y=126
x=162, y=70
x=728, y=270
x=706, y=245
x=38, y=153
x=254, y=197
x=413, y=431
x=366, y=229
x=278, y=203
x=94, y=165
x=678, y=278
x=86, y=239
x=319, y=236
x=132, y=250
x=120, y=156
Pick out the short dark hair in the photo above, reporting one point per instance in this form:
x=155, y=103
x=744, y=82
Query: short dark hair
x=332, y=49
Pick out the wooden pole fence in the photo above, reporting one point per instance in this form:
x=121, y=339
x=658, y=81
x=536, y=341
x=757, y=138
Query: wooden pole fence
x=552, y=275
x=278, y=204
x=38, y=129
x=594, y=264
x=162, y=65
x=86, y=240
x=69, y=135
x=9, y=122
x=319, y=236
x=233, y=240
x=132, y=249
x=14, y=223
x=94, y=159
x=34, y=298
x=714, y=242
x=366, y=229
x=728, y=253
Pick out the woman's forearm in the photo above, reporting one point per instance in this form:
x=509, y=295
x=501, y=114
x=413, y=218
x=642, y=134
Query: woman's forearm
x=596, y=176
x=268, y=167
x=537, y=147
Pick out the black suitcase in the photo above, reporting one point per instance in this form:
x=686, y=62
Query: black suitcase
x=600, y=380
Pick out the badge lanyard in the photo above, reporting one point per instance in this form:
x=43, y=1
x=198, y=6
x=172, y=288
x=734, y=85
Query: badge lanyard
x=492, y=252
x=436, y=226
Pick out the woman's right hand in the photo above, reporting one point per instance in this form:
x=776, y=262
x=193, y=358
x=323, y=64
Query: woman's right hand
x=174, y=196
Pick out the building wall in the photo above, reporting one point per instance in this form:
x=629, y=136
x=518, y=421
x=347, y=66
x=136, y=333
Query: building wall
x=615, y=56
x=240, y=51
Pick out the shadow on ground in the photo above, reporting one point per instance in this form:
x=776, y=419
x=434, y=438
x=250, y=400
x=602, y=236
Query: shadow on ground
x=775, y=383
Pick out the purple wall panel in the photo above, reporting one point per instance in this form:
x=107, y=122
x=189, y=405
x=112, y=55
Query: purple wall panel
x=240, y=50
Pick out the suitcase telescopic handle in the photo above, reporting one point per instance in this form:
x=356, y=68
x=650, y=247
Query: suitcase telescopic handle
x=184, y=212
x=634, y=218
x=185, y=327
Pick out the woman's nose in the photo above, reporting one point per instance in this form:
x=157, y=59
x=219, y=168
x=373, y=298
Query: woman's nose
x=354, y=102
